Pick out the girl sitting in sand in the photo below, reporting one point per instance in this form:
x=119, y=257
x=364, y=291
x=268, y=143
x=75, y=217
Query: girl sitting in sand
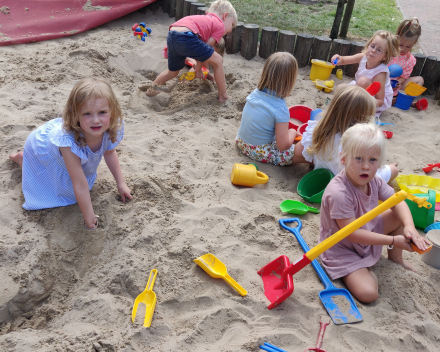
x=320, y=144
x=264, y=133
x=373, y=66
x=352, y=193
x=61, y=157
x=408, y=32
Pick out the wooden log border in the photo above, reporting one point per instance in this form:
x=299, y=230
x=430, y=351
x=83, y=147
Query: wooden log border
x=305, y=46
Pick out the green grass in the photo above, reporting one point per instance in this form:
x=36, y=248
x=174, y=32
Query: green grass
x=316, y=17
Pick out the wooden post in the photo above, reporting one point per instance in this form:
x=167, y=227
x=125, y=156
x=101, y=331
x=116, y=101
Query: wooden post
x=249, y=40
x=420, y=61
x=233, y=39
x=337, y=21
x=356, y=48
x=179, y=9
x=321, y=48
x=347, y=17
x=194, y=6
x=268, y=41
x=286, y=41
x=166, y=6
x=431, y=74
x=172, y=11
x=187, y=7
x=341, y=47
x=303, y=48
x=202, y=10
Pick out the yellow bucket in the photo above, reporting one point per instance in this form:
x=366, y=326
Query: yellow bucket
x=321, y=70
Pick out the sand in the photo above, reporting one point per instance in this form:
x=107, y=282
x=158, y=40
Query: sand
x=65, y=289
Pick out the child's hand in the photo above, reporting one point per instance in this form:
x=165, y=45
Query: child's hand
x=338, y=57
x=91, y=221
x=124, y=192
x=199, y=74
x=402, y=242
x=411, y=233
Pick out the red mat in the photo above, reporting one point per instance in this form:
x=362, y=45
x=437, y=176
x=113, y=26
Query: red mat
x=26, y=21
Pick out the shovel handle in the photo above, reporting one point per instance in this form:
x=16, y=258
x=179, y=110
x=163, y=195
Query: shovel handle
x=235, y=285
x=150, y=282
x=318, y=268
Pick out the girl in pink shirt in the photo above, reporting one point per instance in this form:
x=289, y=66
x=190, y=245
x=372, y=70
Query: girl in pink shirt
x=349, y=195
x=409, y=32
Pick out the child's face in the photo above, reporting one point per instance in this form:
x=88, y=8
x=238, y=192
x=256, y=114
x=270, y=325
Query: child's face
x=229, y=23
x=406, y=45
x=95, y=117
x=376, y=51
x=360, y=170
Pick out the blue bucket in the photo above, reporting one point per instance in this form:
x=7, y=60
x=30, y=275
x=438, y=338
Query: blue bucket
x=403, y=101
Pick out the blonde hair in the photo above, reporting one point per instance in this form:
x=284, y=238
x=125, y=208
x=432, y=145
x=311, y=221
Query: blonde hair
x=358, y=139
x=391, y=45
x=350, y=105
x=85, y=89
x=220, y=47
x=409, y=29
x=221, y=7
x=279, y=74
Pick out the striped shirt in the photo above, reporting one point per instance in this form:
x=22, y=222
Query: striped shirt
x=46, y=182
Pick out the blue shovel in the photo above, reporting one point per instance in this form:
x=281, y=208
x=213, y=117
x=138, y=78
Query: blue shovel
x=338, y=301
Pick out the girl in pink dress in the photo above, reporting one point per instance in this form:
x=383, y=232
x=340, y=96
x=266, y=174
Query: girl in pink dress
x=353, y=192
x=373, y=62
x=409, y=32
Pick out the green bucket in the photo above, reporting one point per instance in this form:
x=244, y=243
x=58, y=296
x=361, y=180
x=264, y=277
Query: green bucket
x=312, y=186
x=422, y=217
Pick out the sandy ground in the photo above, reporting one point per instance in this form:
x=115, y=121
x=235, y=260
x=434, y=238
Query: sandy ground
x=65, y=289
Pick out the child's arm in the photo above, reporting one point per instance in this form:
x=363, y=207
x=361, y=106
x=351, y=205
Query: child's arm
x=112, y=161
x=402, y=212
x=380, y=96
x=80, y=186
x=362, y=236
x=284, y=137
x=347, y=60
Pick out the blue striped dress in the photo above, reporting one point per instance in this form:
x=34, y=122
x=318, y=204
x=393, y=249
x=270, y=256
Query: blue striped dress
x=46, y=182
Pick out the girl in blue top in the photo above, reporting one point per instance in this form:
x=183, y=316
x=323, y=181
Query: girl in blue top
x=61, y=157
x=264, y=133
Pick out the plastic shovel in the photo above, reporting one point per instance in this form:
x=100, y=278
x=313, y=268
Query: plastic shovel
x=296, y=207
x=148, y=297
x=414, y=89
x=216, y=269
x=338, y=301
x=277, y=275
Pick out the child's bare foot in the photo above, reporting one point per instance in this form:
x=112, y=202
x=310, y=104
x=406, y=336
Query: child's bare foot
x=17, y=157
x=223, y=98
x=399, y=260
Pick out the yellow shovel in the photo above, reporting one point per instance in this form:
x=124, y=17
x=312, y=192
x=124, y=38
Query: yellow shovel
x=414, y=89
x=216, y=269
x=148, y=297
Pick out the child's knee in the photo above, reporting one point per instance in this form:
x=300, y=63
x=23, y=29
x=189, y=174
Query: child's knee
x=368, y=295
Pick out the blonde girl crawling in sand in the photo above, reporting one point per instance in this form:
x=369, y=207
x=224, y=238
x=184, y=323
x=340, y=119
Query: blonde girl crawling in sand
x=349, y=195
x=61, y=157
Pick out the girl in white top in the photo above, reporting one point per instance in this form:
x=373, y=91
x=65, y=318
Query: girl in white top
x=320, y=144
x=373, y=62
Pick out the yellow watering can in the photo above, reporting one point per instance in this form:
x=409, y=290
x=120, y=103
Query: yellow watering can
x=247, y=175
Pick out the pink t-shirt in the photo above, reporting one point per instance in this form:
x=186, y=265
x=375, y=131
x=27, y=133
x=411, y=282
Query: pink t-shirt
x=205, y=26
x=407, y=62
x=342, y=200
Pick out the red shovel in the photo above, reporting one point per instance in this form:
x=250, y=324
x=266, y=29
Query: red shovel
x=373, y=88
